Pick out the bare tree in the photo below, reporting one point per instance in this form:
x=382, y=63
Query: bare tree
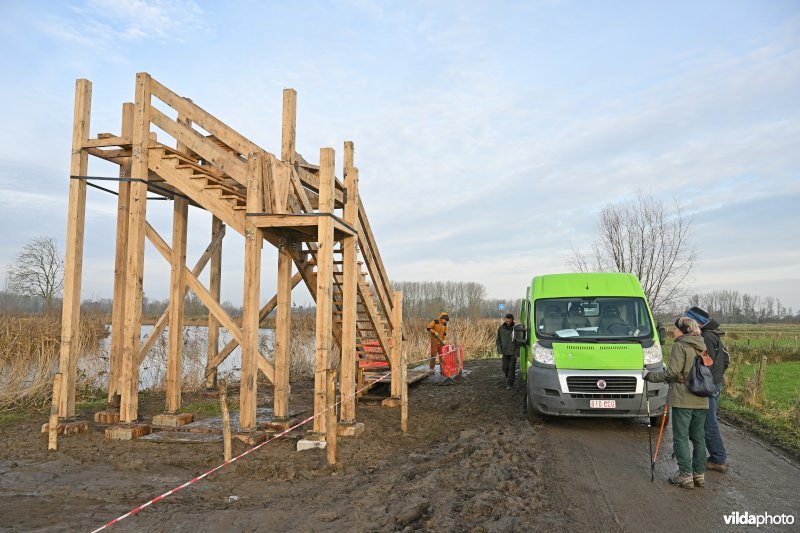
x=38, y=270
x=642, y=237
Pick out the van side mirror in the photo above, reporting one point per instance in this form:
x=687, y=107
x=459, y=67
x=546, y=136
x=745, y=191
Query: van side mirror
x=520, y=335
x=662, y=332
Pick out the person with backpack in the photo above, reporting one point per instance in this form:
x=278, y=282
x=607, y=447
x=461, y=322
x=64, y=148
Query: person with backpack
x=688, y=409
x=711, y=332
x=508, y=349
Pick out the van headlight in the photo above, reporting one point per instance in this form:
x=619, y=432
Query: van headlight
x=543, y=355
x=653, y=355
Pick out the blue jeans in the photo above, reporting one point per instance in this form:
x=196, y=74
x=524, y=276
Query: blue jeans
x=716, y=449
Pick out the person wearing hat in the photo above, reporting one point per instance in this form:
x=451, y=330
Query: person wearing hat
x=438, y=330
x=508, y=349
x=688, y=410
x=711, y=332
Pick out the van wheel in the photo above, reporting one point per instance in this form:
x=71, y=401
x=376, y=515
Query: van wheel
x=655, y=421
x=533, y=416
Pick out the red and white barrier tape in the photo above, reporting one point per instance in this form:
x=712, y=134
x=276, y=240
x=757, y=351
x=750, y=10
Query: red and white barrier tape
x=234, y=459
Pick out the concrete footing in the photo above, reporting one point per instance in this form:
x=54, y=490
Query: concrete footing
x=172, y=420
x=349, y=429
x=127, y=431
x=68, y=427
x=108, y=416
x=312, y=440
x=279, y=423
x=391, y=401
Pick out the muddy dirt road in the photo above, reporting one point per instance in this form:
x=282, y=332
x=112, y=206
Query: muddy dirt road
x=470, y=462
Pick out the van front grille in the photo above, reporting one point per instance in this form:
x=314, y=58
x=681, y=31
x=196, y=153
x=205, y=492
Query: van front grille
x=614, y=384
x=595, y=396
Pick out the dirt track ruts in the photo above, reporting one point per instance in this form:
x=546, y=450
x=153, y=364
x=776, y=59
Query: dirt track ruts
x=469, y=463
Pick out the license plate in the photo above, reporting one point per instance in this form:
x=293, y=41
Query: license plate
x=603, y=404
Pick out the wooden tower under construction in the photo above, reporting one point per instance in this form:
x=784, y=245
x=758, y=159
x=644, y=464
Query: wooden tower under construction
x=316, y=221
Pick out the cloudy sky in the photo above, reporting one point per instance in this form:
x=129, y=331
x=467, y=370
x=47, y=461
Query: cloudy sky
x=488, y=134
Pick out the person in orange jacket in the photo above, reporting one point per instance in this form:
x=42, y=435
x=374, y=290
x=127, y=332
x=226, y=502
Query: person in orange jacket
x=438, y=330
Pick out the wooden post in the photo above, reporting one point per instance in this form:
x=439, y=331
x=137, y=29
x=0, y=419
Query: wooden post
x=226, y=419
x=324, y=331
x=289, y=129
x=176, y=303
x=283, y=320
x=52, y=443
x=759, y=384
x=252, y=282
x=399, y=352
x=129, y=383
x=397, y=342
x=118, y=303
x=215, y=288
x=73, y=257
x=330, y=420
x=347, y=379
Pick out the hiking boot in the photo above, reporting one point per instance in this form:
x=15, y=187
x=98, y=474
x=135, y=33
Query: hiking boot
x=699, y=480
x=683, y=480
x=716, y=467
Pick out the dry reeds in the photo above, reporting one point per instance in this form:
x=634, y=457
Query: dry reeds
x=476, y=336
x=29, y=351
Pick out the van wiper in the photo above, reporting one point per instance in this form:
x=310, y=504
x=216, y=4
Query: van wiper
x=578, y=339
x=630, y=339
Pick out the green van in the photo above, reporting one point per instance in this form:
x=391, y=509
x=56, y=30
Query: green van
x=584, y=339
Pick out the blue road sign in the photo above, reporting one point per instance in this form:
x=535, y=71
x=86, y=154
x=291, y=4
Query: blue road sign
x=501, y=307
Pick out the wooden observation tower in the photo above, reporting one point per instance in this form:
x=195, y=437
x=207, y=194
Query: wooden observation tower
x=315, y=220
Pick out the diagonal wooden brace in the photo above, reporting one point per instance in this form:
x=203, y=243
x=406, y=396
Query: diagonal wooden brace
x=213, y=307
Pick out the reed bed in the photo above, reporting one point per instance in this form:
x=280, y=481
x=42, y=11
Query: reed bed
x=29, y=351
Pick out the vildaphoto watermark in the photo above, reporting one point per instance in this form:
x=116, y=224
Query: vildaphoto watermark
x=737, y=518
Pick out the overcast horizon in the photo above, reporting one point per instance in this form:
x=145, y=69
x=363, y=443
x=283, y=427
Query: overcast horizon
x=488, y=135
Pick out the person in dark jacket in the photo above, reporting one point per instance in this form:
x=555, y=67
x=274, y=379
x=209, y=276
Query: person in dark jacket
x=711, y=332
x=688, y=410
x=506, y=347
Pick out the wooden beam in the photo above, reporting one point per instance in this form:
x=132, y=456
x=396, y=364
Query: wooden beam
x=195, y=285
x=224, y=161
x=129, y=385
x=347, y=375
x=283, y=320
x=107, y=141
x=233, y=343
x=252, y=285
x=73, y=257
x=403, y=375
x=162, y=321
x=324, y=288
x=397, y=343
x=118, y=303
x=205, y=120
x=215, y=287
x=177, y=294
x=289, y=126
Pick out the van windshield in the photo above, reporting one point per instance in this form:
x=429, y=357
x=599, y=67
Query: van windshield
x=593, y=318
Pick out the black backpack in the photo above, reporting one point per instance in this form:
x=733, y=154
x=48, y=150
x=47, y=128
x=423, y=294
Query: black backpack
x=700, y=381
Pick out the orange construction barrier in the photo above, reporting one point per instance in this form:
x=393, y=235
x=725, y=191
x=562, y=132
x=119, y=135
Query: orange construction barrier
x=448, y=355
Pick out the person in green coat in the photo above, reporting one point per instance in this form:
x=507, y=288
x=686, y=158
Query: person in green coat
x=688, y=410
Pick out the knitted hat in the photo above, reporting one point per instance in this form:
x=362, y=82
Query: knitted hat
x=698, y=315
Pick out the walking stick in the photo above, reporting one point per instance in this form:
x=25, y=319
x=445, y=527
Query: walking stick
x=660, y=433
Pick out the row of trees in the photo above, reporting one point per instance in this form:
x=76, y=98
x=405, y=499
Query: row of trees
x=736, y=307
x=426, y=299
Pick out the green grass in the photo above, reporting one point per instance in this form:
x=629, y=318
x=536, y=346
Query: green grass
x=7, y=418
x=776, y=415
